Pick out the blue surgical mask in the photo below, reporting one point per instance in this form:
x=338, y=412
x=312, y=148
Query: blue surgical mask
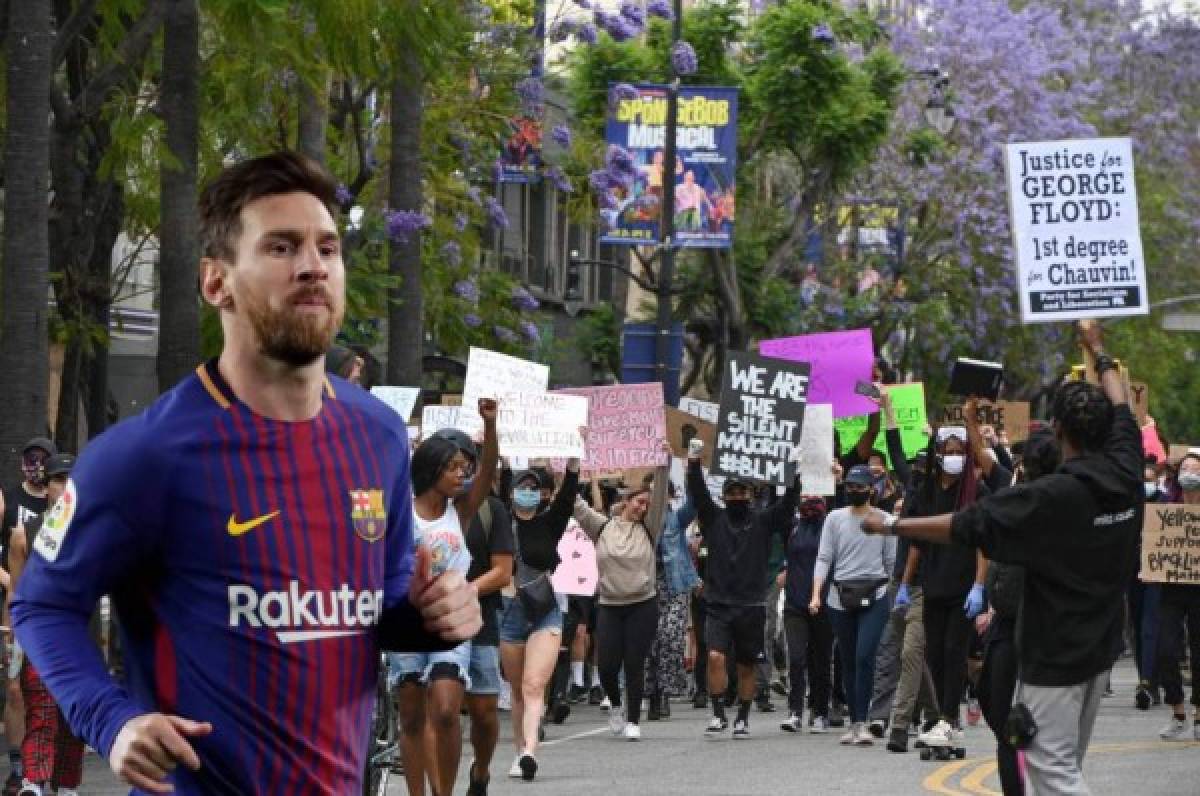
x=527, y=498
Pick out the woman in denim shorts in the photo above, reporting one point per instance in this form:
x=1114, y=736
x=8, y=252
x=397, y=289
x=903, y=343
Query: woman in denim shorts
x=431, y=685
x=529, y=644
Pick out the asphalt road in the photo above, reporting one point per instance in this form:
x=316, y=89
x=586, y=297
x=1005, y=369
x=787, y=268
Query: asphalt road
x=581, y=758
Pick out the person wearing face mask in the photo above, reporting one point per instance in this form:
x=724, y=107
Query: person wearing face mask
x=738, y=540
x=1144, y=600
x=529, y=644
x=858, y=567
x=627, y=596
x=1181, y=604
x=951, y=578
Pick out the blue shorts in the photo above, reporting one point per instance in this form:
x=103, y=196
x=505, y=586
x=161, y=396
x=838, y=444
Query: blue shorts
x=484, y=672
x=516, y=629
x=415, y=667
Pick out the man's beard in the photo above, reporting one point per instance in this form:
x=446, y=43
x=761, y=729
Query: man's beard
x=290, y=336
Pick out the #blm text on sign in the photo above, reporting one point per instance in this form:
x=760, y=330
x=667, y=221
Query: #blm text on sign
x=1171, y=544
x=762, y=414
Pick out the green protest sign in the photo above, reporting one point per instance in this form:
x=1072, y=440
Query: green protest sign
x=909, y=402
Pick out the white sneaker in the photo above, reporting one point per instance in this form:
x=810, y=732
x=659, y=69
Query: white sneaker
x=616, y=722
x=29, y=789
x=515, y=771
x=67, y=792
x=1176, y=730
x=848, y=738
x=818, y=725
x=938, y=735
x=606, y=704
x=792, y=723
x=632, y=732
x=862, y=736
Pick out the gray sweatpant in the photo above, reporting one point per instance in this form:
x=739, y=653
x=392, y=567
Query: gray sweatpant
x=1065, y=716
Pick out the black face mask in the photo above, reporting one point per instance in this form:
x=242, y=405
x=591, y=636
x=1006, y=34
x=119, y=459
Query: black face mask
x=857, y=498
x=738, y=509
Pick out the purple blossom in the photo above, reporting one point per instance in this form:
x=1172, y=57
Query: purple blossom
x=452, y=253
x=556, y=176
x=562, y=29
x=497, y=170
x=474, y=195
x=620, y=165
x=617, y=26
x=532, y=93
x=586, y=33
x=343, y=196
x=523, y=300
x=504, y=334
x=531, y=332
x=472, y=320
x=460, y=221
x=822, y=33
x=634, y=13
x=621, y=91
x=561, y=135
x=606, y=200
x=660, y=8
x=585, y=4
x=683, y=59
x=403, y=224
x=496, y=215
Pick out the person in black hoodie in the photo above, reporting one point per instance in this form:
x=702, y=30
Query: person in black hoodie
x=1075, y=532
x=738, y=538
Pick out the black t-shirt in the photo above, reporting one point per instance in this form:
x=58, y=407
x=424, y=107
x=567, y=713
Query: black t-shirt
x=482, y=545
x=20, y=508
x=944, y=571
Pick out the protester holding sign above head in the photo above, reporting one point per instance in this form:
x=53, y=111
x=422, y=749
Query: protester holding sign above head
x=738, y=539
x=1180, y=603
x=531, y=626
x=1075, y=533
x=1144, y=602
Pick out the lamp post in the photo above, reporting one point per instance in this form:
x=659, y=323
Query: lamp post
x=662, y=348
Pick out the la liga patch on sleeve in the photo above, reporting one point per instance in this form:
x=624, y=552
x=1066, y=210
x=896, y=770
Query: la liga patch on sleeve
x=49, y=540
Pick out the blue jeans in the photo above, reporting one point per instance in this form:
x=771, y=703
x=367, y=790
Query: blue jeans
x=858, y=634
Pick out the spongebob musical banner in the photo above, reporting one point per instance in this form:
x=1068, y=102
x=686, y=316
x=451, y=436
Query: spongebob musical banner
x=705, y=166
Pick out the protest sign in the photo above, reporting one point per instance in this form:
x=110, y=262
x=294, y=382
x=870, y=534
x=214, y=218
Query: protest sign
x=762, y=411
x=451, y=400
x=1139, y=394
x=1074, y=217
x=683, y=427
x=816, y=450
x=494, y=375
x=626, y=426
x=438, y=417
x=705, y=410
x=714, y=482
x=839, y=360
x=1011, y=417
x=704, y=173
x=1177, y=452
x=400, y=399
x=577, y=572
x=1171, y=544
x=908, y=402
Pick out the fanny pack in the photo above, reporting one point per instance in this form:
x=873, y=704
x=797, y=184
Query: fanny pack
x=537, y=597
x=858, y=594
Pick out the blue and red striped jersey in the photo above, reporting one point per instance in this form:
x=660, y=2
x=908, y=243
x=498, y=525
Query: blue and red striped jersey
x=248, y=561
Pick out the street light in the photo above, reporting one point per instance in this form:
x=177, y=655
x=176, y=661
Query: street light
x=938, y=113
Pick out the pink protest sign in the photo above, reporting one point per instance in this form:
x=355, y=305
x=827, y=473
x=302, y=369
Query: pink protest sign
x=577, y=572
x=626, y=426
x=839, y=361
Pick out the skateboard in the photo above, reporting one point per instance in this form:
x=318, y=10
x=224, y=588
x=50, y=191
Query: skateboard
x=943, y=753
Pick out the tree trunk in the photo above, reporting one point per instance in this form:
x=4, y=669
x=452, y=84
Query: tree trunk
x=24, y=349
x=406, y=326
x=179, y=232
x=98, y=305
x=312, y=116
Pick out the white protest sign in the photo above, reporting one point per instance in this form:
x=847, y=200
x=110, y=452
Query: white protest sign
x=716, y=483
x=434, y=418
x=816, y=450
x=500, y=376
x=1074, y=216
x=542, y=425
x=705, y=410
x=400, y=399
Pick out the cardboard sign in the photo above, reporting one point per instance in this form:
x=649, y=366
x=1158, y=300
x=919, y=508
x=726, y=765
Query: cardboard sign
x=908, y=402
x=816, y=451
x=683, y=427
x=401, y=399
x=1009, y=416
x=452, y=400
x=1177, y=452
x=705, y=410
x=838, y=361
x=1074, y=217
x=762, y=412
x=577, y=572
x=626, y=426
x=1171, y=544
x=1139, y=395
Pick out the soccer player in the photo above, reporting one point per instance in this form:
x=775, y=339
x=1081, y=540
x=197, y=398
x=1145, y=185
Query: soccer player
x=254, y=528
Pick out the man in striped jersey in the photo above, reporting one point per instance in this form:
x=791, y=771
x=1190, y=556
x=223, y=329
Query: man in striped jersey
x=254, y=528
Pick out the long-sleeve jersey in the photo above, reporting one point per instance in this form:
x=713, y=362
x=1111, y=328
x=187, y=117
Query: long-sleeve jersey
x=249, y=561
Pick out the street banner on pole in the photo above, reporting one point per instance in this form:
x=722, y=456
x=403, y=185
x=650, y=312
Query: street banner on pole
x=1074, y=217
x=626, y=426
x=762, y=414
x=839, y=361
x=705, y=169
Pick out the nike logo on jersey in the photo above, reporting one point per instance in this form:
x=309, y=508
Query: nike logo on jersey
x=236, y=528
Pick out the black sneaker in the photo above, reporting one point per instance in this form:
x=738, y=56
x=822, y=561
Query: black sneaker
x=476, y=787
x=877, y=728
x=559, y=712
x=765, y=706
x=898, y=740
x=528, y=767
x=596, y=695
x=836, y=720
x=1141, y=697
x=700, y=700
x=741, y=730
x=576, y=694
x=780, y=686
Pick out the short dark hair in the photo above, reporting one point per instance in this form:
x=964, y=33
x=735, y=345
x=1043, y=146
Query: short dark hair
x=1042, y=455
x=222, y=200
x=1084, y=414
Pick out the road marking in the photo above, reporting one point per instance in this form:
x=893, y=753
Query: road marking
x=936, y=782
x=973, y=782
x=576, y=736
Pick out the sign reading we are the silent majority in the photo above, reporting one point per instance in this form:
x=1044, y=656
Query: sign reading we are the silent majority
x=761, y=417
x=1074, y=215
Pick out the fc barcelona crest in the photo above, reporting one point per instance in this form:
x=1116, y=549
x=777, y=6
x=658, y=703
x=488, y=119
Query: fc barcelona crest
x=368, y=513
